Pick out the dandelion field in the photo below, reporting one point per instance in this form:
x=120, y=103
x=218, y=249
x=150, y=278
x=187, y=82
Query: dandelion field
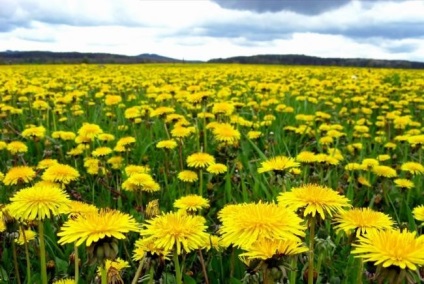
x=180, y=173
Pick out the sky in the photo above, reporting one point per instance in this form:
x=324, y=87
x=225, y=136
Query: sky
x=206, y=29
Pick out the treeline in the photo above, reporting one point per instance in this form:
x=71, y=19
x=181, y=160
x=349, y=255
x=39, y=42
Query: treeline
x=318, y=61
x=46, y=57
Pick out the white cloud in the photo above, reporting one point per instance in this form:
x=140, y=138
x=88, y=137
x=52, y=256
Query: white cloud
x=203, y=30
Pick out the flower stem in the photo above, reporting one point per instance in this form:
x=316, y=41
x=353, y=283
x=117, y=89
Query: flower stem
x=177, y=268
x=43, y=266
x=359, y=271
x=28, y=262
x=76, y=263
x=138, y=272
x=201, y=182
x=103, y=273
x=15, y=262
x=293, y=269
x=311, y=250
x=202, y=262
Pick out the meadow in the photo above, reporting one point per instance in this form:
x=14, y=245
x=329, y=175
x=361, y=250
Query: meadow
x=179, y=173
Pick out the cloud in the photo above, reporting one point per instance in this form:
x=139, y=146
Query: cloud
x=306, y=7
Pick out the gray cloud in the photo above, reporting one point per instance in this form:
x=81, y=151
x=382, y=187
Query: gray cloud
x=306, y=7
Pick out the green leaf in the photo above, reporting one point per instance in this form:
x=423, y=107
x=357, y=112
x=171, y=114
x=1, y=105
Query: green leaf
x=188, y=280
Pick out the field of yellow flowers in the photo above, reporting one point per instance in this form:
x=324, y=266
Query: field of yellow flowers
x=202, y=173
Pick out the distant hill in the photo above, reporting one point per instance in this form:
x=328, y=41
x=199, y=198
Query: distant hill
x=318, y=61
x=47, y=57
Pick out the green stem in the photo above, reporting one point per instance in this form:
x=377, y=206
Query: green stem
x=202, y=262
x=15, y=262
x=311, y=250
x=138, y=272
x=151, y=275
x=43, y=266
x=177, y=268
x=359, y=271
x=201, y=182
x=28, y=262
x=293, y=269
x=103, y=273
x=76, y=263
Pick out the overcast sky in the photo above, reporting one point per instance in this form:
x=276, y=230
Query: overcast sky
x=205, y=29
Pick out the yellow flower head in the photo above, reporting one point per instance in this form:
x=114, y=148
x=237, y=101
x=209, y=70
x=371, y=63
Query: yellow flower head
x=64, y=281
x=191, y=203
x=404, y=183
x=217, y=168
x=46, y=163
x=136, y=169
x=244, y=224
x=306, y=157
x=225, y=132
x=38, y=203
x=188, y=176
x=266, y=249
x=314, y=199
x=60, y=173
x=118, y=264
x=16, y=147
x=19, y=174
x=89, y=131
x=92, y=227
x=384, y=171
x=391, y=248
x=101, y=152
x=279, y=163
x=419, y=213
x=29, y=236
x=167, y=144
x=413, y=168
x=362, y=220
x=143, y=182
x=176, y=230
x=34, y=132
x=200, y=160
x=145, y=247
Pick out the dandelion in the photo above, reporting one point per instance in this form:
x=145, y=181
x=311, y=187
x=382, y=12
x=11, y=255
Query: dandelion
x=19, y=174
x=268, y=248
x=89, y=131
x=362, y=221
x=279, y=163
x=65, y=281
x=200, y=160
x=418, y=213
x=34, y=132
x=188, y=176
x=384, y=171
x=16, y=147
x=101, y=152
x=176, y=231
x=60, y=173
x=136, y=169
x=29, y=236
x=46, y=163
x=244, y=224
x=217, y=168
x=413, y=168
x=142, y=182
x=391, y=248
x=93, y=227
x=404, y=183
x=225, y=132
x=191, y=203
x=314, y=199
x=167, y=144
x=306, y=157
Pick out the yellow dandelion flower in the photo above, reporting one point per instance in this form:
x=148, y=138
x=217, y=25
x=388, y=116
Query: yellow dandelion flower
x=46, y=163
x=118, y=264
x=116, y=162
x=361, y=221
x=384, y=171
x=225, y=132
x=306, y=157
x=254, y=134
x=143, y=182
x=391, y=248
x=34, y=132
x=188, y=176
x=419, y=213
x=279, y=163
x=314, y=199
x=16, y=147
x=167, y=144
x=38, y=203
x=182, y=132
x=413, y=168
x=368, y=164
x=64, y=281
x=244, y=224
x=60, y=173
x=101, y=152
x=217, y=168
x=19, y=174
x=191, y=203
x=152, y=209
x=200, y=160
x=126, y=141
x=271, y=248
x=77, y=208
x=147, y=247
x=404, y=183
x=383, y=157
x=176, y=230
x=29, y=236
x=89, y=131
x=136, y=169
x=92, y=227
x=364, y=181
